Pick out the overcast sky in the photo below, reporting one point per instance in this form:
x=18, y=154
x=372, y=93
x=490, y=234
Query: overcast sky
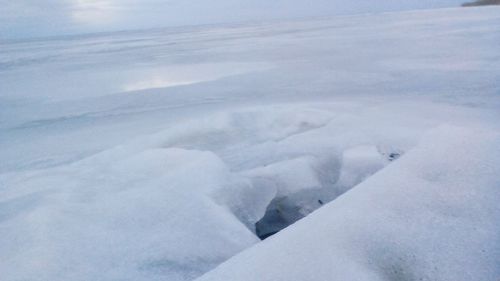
x=36, y=18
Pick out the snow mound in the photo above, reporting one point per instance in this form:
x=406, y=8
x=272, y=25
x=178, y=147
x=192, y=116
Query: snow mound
x=139, y=217
x=432, y=215
x=176, y=203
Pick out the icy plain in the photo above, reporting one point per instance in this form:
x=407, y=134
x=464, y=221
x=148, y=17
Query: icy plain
x=153, y=155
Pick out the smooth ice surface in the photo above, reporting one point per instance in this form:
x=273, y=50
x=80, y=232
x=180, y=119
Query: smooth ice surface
x=152, y=155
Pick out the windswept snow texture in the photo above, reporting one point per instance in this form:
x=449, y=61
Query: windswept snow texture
x=161, y=155
x=433, y=215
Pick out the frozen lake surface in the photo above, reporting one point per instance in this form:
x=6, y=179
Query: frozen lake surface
x=162, y=154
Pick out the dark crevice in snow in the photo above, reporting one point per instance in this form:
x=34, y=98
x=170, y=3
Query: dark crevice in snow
x=393, y=156
x=286, y=210
x=276, y=218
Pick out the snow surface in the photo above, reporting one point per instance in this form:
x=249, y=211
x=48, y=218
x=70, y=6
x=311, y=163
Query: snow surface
x=433, y=215
x=153, y=155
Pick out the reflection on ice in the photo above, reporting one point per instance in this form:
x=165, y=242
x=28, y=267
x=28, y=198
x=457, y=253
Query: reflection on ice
x=156, y=82
x=184, y=75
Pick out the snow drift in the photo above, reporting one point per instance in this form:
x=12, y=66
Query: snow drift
x=432, y=215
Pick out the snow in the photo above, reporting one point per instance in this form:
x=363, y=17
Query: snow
x=98, y=218
x=432, y=215
x=359, y=163
x=162, y=154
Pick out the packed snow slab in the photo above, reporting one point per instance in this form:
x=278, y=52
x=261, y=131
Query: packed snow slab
x=147, y=216
x=432, y=215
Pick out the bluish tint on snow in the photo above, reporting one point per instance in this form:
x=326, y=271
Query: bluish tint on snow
x=151, y=155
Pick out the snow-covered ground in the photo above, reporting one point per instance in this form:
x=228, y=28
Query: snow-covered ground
x=159, y=155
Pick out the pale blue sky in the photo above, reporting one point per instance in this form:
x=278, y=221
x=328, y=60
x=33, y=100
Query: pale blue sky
x=37, y=18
